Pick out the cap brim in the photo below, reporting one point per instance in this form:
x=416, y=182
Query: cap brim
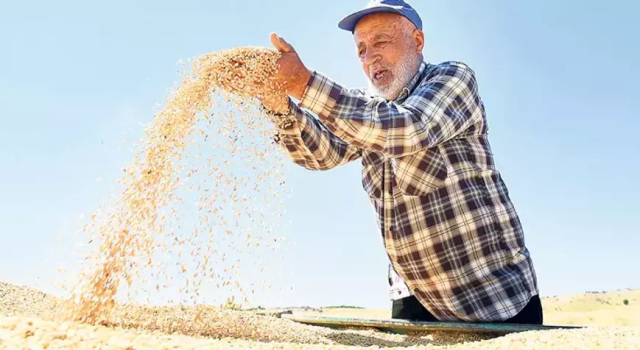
x=349, y=23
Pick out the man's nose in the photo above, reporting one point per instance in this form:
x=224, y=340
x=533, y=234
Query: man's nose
x=370, y=57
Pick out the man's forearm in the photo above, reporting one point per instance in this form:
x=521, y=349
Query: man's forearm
x=309, y=143
x=301, y=85
x=438, y=110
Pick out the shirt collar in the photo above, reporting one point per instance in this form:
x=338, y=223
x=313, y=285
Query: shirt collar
x=412, y=84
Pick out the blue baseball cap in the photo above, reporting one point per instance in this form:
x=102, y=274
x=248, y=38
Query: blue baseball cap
x=376, y=6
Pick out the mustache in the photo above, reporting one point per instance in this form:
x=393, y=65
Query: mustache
x=374, y=69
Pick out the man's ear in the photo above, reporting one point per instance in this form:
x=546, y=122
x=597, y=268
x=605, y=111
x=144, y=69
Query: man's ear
x=418, y=39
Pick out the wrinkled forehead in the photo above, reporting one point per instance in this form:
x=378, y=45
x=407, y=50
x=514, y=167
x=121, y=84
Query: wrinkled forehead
x=379, y=26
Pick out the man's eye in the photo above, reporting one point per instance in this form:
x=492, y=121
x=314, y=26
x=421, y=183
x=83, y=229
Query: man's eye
x=381, y=43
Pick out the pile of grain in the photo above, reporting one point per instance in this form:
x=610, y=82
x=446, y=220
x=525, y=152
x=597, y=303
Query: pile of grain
x=149, y=240
x=150, y=325
x=167, y=328
x=22, y=301
x=28, y=333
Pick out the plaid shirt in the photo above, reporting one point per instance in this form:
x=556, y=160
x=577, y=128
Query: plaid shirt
x=448, y=225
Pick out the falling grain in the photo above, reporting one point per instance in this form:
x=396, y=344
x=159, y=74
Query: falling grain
x=183, y=220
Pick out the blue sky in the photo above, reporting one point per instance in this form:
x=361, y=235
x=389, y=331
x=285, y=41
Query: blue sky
x=558, y=78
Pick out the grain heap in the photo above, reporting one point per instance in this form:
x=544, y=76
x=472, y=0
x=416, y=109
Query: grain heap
x=144, y=327
x=142, y=244
x=40, y=333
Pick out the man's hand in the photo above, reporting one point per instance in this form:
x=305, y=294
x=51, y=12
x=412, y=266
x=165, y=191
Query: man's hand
x=292, y=73
x=291, y=79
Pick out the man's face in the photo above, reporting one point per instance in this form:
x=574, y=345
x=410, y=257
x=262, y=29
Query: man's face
x=390, y=51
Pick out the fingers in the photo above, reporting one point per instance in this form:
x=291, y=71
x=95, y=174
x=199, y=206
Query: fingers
x=281, y=44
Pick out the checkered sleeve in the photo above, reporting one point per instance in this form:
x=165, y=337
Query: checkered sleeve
x=309, y=143
x=440, y=108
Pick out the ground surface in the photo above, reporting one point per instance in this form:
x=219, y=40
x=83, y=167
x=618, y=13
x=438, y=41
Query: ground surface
x=26, y=323
x=589, y=309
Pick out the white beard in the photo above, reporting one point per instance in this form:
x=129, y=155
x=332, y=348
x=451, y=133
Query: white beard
x=402, y=75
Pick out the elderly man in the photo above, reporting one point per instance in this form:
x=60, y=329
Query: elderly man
x=450, y=230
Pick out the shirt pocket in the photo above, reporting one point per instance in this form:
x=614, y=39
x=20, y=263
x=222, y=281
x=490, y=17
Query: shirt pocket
x=372, y=167
x=420, y=173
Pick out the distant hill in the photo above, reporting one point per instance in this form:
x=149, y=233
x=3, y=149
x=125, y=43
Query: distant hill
x=621, y=308
x=342, y=307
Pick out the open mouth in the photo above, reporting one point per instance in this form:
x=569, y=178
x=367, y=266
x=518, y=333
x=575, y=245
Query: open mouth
x=380, y=75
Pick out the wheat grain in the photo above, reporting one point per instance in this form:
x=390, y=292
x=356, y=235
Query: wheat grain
x=33, y=333
x=142, y=244
x=213, y=323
